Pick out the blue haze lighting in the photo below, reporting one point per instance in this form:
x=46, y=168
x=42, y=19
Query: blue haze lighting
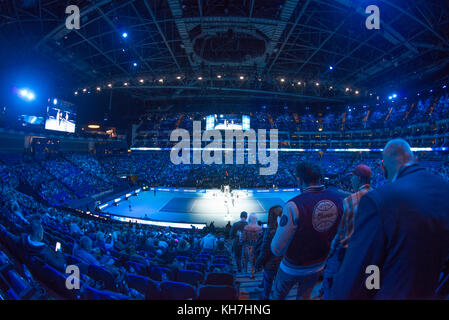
x=27, y=94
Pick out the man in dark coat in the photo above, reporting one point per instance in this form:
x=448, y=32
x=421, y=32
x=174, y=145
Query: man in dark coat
x=401, y=234
x=234, y=235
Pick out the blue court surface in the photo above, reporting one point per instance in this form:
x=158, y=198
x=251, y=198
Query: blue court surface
x=213, y=205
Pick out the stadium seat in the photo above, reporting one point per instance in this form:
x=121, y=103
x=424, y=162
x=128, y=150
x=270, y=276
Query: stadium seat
x=90, y=293
x=211, y=292
x=57, y=282
x=192, y=277
x=183, y=259
x=220, y=279
x=157, y=273
x=202, y=260
x=101, y=276
x=137, y=267
x=72, y=259
x=144, y=285
x=196, y=266
x=171, y=290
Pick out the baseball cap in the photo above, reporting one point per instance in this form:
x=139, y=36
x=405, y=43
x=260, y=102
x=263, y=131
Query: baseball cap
x=362, y=170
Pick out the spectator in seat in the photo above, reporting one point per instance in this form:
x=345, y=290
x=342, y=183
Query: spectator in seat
x=250, y=236
x=402, y=229
x=83, y=251
x=75, y=229
x=360, y=181
x=30, y=244
x=308, y=224
x=209, y=242
x=234, y=235
x=266, y=258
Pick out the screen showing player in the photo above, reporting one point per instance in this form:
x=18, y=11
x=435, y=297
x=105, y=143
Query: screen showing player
x=60, y=116
x=227, y=122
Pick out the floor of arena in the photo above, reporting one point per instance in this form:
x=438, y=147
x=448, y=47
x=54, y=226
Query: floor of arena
x=214, y=205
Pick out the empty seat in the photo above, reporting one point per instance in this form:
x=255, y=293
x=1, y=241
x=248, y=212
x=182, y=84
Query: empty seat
x=192, y=277
x=205, y=261
x=90, y=293
x=57, y=281
x=157, y=273
x=72, y=259
x=210, y=292
x=220, y=278
x=183, y=259
x=171, y=290
x=102, y=276
x=196, y=266
x=144, y=285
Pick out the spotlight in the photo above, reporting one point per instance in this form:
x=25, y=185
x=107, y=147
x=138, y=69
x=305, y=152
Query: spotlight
x=27, y=94
x=317, y=84
x=55, y=101
x=178, y=77
x=331, y=68
x=125, y=84
x=444, y=87
x=242, y=77
x=98, y=89
x=110, y=85
x=390, y=97
x=200, y=78
x=330, y=88
x=299, y=83
x=394, y=95
x=135, y=64
x=347, y=89
x=357, y=92
x=84, y=90
x=141, y=81
x=219, y=76
x=161, y=80
x=76, y=93
x=282, y=80
x=125, y=35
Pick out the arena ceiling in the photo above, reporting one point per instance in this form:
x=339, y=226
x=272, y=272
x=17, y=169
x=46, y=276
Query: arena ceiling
x=181, y=49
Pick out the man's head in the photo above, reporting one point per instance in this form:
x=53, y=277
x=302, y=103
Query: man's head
x=360, y=176
x=37, y=232
x=396, y=154
x=243, y=215
x=308, y=174
x=86, y=243
x=273, y=215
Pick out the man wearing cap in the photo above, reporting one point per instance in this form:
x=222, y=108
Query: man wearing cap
x=360, y=181
x=401, y=234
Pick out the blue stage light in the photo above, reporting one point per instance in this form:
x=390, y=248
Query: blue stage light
x=125, y=35
x=331, y=68
x=27, y=94
x=135, y=64
x=55, y=101
x=395, y=95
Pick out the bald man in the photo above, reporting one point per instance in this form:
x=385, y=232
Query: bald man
x=401, y=234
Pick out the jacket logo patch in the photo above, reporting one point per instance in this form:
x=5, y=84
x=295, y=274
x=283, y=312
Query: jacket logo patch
x=324, y=215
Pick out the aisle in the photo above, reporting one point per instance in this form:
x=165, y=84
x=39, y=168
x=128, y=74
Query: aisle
x=249, y=289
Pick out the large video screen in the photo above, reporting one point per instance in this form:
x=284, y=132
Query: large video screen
x=227, y=122
x=60, y=116
x=31, y=121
